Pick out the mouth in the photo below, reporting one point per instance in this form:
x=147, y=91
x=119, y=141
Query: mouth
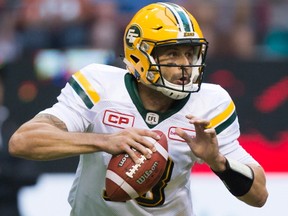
x=183, y=80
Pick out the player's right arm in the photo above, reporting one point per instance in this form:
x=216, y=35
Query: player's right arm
x=61, y=131
x=45, y=137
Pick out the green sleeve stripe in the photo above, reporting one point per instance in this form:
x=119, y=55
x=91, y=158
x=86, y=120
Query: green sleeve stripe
x=226, y=123
x=82, y=94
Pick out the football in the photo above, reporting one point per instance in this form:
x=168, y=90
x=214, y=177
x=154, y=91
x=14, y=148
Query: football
x=127, y=180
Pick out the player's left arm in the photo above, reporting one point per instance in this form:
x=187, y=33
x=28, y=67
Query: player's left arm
x=247, y=182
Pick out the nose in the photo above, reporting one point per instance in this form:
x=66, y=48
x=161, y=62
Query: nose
x=184, y=60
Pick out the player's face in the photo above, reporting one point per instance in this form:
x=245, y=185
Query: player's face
x=176, y=55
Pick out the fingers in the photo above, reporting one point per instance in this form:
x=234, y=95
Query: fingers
x=211, y=132
x=199, y=123
x=140, y=140
x=132, y=154
x=202, y=126
x=144, y=141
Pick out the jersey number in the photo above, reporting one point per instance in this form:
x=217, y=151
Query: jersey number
x=156, y=197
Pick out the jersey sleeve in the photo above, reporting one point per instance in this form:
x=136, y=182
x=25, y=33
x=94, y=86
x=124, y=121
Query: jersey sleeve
x=76, y=100
x=68, y=109
x=225, y=121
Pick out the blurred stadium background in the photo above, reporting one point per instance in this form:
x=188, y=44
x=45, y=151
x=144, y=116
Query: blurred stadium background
x=42, y=42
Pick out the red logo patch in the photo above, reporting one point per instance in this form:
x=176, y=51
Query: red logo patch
x=119, y=120
x=173, y=136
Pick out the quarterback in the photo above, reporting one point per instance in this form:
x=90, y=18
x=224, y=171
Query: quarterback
x=104, y=110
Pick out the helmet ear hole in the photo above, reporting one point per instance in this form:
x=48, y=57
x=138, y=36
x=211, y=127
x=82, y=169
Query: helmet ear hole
x=134, y=58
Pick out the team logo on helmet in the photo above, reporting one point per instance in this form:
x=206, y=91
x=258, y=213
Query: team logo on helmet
x=132, y=33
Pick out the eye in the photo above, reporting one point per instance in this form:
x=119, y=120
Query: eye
x=172, y=53
x=189, y=54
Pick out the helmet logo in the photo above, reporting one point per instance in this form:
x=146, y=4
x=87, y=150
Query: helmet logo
x=132, y=33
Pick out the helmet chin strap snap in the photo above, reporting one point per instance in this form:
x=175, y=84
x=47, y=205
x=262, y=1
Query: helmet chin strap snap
x=150, y=75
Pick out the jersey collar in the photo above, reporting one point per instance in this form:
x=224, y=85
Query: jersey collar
x=151, y=118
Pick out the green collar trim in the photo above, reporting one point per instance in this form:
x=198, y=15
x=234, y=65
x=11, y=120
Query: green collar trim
x=151, y=118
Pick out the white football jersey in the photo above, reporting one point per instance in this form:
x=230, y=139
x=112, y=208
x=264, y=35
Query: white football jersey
x=103, y=99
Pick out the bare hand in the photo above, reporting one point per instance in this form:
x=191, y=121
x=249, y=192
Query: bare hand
x=205, y=144
x=129, y=138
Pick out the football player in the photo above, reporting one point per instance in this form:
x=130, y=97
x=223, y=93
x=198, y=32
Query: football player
x=104, y=110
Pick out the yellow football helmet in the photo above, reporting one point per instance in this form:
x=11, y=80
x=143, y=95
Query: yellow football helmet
x=162, y=24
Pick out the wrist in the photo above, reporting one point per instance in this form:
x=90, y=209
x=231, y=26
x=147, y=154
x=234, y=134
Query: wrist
x=237, y=177
x=219, y=164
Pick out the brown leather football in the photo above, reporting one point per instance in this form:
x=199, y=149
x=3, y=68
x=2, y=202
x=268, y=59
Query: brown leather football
x=126, y=180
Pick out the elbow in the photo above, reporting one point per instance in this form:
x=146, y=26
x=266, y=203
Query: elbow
x=16, y=146
x=24, y=144
x=257, y=201
x=262, y=200
x=259, y=193
x=13, y=147
x=27, y=143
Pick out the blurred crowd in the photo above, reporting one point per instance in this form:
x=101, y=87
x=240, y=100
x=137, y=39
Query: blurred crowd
x=242, y=29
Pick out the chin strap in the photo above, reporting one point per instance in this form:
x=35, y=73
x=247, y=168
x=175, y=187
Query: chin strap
x=176, y=95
